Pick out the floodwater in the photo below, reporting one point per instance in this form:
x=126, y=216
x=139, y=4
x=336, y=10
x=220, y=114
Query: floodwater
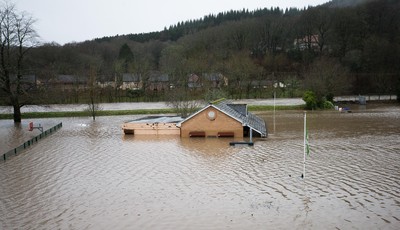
x=88, y=175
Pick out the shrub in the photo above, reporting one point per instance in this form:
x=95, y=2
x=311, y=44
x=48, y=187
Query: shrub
x=327, y=105
x=310, y=99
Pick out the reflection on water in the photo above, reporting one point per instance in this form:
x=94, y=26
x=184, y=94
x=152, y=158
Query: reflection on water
x=88, y=175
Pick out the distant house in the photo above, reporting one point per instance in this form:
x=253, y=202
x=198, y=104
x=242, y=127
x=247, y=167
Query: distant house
x=26, y=82
x=307, y=42
x=260, y=84
x=106, y=81
x=194, y=82
x=158, y=81
x=131, y=81
x=216, y=80
x=279, y=85
x=69, y=82
x=29, y=79
x=213, y=80
x=223, y=119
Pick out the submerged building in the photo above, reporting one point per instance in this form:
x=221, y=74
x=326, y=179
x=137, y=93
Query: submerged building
x=219, y=119
x=223, y=119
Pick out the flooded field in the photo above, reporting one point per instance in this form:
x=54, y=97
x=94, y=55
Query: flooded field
x=88, y=175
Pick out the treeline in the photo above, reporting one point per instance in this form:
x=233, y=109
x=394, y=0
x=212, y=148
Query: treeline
x=332, y=49
x=174, y=32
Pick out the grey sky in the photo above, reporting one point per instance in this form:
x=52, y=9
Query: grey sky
x=65, y=21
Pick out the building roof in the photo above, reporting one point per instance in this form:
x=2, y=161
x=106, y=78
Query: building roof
x=25, y=79
x=156, y=76
x=213, y=76
x=130, y=77
x=237, y=112
x=241, y=108
x=71, y=79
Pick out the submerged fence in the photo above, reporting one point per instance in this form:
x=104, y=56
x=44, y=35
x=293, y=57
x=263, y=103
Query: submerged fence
x=358, y=98
x=30, y=142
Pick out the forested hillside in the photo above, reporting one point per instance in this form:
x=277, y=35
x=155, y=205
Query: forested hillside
x=333, y=49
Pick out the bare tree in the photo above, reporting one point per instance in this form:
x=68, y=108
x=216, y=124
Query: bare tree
x=326, y=78
x=93, y=104
x=17, y=36
x=179, y=100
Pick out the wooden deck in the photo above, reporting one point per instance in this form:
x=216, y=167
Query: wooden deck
x=152, y=126
x=151, y=129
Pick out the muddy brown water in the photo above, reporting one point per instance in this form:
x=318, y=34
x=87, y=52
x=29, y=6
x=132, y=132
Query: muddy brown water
x=88, y=175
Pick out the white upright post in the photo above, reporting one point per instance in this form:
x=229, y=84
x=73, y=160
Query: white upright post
x=251, y=135
x=304, y=147
x=274, y=109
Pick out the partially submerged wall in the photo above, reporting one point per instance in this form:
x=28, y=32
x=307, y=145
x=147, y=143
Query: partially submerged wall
x=213, y=123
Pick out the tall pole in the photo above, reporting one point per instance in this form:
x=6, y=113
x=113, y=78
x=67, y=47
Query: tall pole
x=251, y=135
x=274, y=109
x=304, y=147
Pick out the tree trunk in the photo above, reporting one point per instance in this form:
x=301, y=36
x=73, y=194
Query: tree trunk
x=17, y=113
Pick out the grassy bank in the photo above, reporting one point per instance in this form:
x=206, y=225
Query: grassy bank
x=86, y=114
x=132, y=112
x=271, y=107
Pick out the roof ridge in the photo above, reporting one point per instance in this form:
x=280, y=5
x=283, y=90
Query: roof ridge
x=218, y=101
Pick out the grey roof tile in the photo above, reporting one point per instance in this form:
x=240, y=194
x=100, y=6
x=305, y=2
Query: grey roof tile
x=247, y=119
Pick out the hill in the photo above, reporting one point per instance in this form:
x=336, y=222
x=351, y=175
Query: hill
x=341, y=47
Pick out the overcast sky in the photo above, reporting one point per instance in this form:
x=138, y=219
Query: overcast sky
x=65, y=21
